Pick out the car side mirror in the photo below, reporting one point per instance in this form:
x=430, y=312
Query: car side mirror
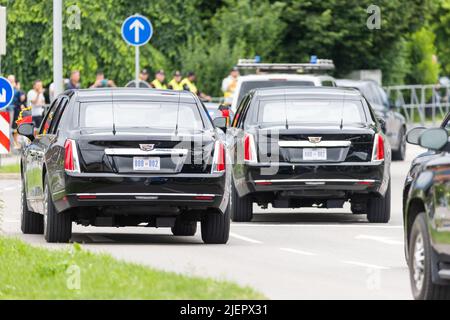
x=382, y=124
x=414, y=134
x=221, y=123
x=26, y=130
x=434, y=139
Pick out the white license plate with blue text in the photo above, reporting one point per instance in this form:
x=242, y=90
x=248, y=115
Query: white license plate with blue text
x=146, y=164
x=319, y=154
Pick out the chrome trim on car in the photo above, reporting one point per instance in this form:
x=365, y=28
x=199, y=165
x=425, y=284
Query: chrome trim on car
x=139, y=152
x=308, y=144
x=316, y=181
x=145, y=195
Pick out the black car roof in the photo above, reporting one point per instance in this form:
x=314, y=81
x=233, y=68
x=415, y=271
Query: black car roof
x=308, y=92
x=134, y=94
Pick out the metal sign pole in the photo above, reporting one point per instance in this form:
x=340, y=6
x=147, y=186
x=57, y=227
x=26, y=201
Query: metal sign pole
x=57, y=47
x=137, y=69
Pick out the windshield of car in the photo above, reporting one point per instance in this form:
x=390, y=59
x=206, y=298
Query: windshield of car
x=311, y=111
x=160, y=115
x=247, y=86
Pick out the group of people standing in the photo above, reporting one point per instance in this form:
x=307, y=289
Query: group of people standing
x=34, y=101
x=177, y=83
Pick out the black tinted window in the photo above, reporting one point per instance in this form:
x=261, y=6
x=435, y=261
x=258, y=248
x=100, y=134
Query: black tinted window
x=311, y=111
x=140, y=115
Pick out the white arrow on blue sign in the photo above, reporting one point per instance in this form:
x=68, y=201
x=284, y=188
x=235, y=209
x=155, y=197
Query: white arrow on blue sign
x=137, y=30
x=6, y=93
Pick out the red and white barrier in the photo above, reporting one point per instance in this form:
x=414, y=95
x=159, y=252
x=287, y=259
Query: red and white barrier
x=5, y=144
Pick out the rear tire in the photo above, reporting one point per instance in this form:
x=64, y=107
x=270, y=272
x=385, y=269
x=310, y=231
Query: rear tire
x=420, y=264
x=241, y=208
x=400, y=154
x=379, y=209
x=30, y=222
x=58, y=226
x=216, y=227
x=184, y=228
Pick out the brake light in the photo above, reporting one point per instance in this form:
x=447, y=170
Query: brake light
x=71, y=163
x=219, y=157
x=378, y=148
x=250, y=149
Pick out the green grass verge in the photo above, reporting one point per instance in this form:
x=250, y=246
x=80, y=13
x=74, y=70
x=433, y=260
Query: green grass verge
x=10, y=168
x=28, y=272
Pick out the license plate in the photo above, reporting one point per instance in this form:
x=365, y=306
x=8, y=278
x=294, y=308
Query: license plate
x=314, y=154
x=146, y=164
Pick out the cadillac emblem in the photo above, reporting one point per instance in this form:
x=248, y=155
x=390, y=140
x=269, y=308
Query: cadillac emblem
x=315, y=140
x=147, y=147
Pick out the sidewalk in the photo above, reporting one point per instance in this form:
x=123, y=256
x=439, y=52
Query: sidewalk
x=9, y=159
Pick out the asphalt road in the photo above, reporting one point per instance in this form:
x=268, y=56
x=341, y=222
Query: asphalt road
x=285, y=254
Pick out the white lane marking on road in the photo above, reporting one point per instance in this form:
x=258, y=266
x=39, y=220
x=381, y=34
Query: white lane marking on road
x=301, y=252
x=256, y=225
x=11, y=221
x=384, y=240
x=10, y=188
x=236, y=236
x=365, y=265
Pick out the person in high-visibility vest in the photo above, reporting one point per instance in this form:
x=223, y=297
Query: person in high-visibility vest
x=188, y=84
x=175, y=83
x=229, y=84
x=159, y=82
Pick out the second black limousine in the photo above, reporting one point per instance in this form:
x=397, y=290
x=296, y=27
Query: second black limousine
x=305, y=147
x=125, y=157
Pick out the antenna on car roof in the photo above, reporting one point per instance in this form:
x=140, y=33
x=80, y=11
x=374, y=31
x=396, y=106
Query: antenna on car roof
x=315, y=65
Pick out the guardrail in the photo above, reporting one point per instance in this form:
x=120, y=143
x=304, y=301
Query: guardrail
x=421, y=103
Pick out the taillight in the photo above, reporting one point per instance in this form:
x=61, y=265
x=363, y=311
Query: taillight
x=250, y=149
x=219, y=157
x=71, y=163
x=378, y=148
x=225, y=113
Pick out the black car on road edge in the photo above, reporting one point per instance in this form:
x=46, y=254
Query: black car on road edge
x=427, y=216
x=394, y=122
x=305, y=147
x=125, y=157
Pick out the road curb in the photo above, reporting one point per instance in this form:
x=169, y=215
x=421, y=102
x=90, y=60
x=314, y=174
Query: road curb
x=9, y=176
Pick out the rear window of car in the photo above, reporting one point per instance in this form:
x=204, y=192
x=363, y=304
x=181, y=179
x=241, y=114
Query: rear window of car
x=247, y=86
x=311, y=111
x=140, y=115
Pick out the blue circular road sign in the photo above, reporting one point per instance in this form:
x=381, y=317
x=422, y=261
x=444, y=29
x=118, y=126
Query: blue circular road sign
x=137, y=30
x=6, y=93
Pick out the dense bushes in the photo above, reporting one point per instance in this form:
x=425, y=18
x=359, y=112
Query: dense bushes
x=209, y=36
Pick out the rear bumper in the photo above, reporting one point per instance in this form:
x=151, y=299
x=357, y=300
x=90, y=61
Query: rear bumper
x=305, y=180
x=191, y=191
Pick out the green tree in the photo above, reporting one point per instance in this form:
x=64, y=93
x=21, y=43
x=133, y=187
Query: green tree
x=338, y=30
x=441, y=26
x=239, y=29
x=422, y=56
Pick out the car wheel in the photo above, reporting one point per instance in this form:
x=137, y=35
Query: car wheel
x=379, y=209
x=30, y=222
x=420, y=264
x=184, y=227
x=400, y=154
x=241, y=208
x=216, y=227
x=57, y=226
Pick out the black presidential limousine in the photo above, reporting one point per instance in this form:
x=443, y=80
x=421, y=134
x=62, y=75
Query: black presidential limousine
x=304, y=147
x=125, y=157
